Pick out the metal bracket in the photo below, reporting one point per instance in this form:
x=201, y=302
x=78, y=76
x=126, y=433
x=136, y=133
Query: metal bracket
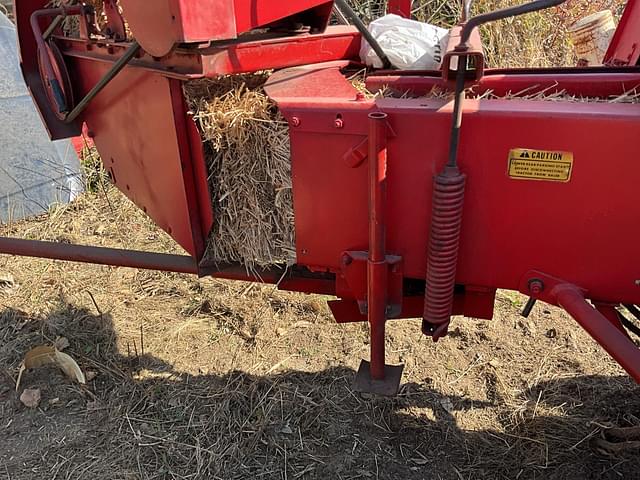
x=474, y=54
x=388, y=387
x=352, y=280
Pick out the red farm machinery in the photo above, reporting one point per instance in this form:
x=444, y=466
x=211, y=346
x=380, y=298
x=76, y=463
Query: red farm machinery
x=405, y=207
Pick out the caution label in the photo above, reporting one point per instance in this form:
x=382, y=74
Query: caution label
x=540, y=165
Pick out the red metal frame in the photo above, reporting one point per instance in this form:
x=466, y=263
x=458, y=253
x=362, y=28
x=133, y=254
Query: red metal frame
x=337, y=42
x=624, y=49
x=377, y=265
x=604, y=330
x=172, y=22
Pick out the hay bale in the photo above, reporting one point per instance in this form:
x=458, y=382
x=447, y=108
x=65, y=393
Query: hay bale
x=247, y=152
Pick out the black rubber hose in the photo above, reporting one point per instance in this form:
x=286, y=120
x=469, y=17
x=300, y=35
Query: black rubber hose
x=344, y=7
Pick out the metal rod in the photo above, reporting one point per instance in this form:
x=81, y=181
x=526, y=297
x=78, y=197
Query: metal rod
x=526, y=311
x=504, y=13
x=458, y=104
x=466, y=10
x=344, y=7
x=122, y=62
x=616, y=343
x=377, y=268
x=99, y=255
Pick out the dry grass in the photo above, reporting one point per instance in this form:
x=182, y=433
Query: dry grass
x=535, y=40
x=247, y=149
x=555, y=95
x=215, y=379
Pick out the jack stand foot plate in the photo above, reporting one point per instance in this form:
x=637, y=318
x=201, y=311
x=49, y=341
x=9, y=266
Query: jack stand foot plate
x=388, y=387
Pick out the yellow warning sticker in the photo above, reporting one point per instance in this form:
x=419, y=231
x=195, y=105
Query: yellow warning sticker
x=546, y=165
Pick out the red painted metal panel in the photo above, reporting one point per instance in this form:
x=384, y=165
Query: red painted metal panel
x=140, y=131
x=573, y=229
x=168, y=22
x=336, y=43
x=624, y=48
x=400, y=7
x=254, y=13
x=207, y=20
x=511, y=226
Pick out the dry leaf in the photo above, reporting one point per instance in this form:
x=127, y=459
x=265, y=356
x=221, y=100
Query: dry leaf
x=46, y=355
x=31, y=397
x=61, y=343
x=90, y=375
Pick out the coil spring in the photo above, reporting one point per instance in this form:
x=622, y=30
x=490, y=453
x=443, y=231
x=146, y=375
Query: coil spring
x=446, y=223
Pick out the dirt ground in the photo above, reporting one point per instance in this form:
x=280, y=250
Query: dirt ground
x=198, y=379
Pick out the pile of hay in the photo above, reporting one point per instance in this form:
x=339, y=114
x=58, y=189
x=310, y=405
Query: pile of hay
x=247, y=152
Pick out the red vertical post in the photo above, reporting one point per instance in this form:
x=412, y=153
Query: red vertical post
x=377, y=266
x=400, y=7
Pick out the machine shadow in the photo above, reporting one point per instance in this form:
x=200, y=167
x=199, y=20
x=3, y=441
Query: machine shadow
x=139, y=418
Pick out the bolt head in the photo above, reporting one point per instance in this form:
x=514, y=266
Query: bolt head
x=536, y=286
x=295, y=121
x=339, y=123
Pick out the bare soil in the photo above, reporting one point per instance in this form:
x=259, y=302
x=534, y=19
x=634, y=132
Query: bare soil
x=200, y=379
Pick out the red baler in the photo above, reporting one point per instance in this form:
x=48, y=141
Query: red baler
x=397, y=214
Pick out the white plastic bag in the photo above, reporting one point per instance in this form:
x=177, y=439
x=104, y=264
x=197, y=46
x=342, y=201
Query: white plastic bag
x=410, y=45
